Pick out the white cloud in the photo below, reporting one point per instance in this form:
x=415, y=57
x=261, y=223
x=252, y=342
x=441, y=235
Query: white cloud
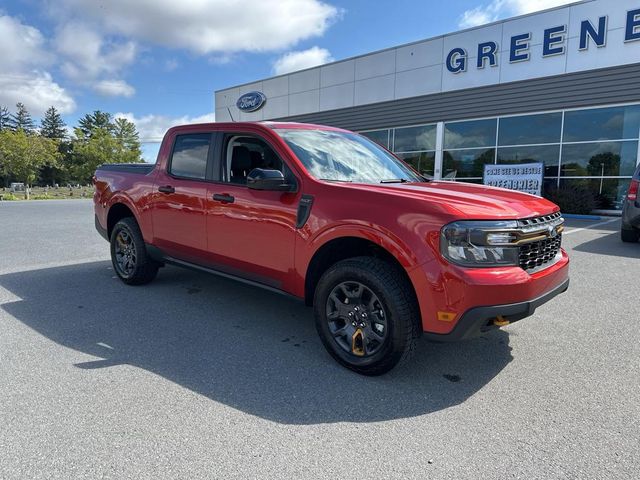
x=211, y=26
x=293, y=61
x=153, y=127
x=498, y=9
x=36, y=90
x=23, y=54
x=88, y=59
x=114, y=88
x=22, y=46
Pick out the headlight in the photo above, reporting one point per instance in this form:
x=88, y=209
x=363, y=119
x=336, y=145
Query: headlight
x=480, y=244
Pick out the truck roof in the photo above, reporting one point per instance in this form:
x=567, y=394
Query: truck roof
x=264, y=124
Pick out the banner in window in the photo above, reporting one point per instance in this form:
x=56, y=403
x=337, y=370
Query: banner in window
x=525, y=177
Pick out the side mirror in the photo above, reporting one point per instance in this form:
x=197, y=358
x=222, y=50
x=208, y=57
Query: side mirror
x=266, y=179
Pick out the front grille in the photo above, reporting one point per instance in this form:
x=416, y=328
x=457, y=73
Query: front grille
x=538, y=222
x=537, y=254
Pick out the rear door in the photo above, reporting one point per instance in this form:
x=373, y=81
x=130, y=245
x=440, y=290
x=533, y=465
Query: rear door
x=250, y=232
x=180, y=198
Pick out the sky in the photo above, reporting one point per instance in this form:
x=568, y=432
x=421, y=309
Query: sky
x=158, y=62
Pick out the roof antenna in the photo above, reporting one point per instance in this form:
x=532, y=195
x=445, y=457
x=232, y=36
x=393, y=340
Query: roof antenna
x=229, y=110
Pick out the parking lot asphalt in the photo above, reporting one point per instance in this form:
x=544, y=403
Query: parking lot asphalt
x=194, y=376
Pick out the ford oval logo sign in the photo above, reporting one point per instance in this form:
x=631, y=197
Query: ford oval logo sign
x=250, y=102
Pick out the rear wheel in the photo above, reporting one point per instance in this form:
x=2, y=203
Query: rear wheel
x=129, y=256
x=629, y=234
x=366, y=315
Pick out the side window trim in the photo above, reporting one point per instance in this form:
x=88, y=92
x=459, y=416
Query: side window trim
x=210, y=152
x=214, y=160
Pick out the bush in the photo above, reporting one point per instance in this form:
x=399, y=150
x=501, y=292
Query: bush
x=8, y=196
x=575, y=199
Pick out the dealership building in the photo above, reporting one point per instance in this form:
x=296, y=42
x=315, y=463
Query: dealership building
x=561, y=87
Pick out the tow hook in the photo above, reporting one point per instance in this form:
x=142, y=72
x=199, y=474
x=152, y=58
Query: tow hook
x=500, y=321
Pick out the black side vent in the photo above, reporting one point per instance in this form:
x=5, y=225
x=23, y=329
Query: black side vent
x=304, y=210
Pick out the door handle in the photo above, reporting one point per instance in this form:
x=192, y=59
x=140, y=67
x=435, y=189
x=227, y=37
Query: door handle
x=223, y=197
x=167, y=189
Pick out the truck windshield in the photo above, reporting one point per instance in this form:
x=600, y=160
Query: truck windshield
x=346, y=157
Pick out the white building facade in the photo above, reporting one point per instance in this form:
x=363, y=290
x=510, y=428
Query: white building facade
x=560, y=87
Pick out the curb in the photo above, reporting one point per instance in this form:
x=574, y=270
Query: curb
x=581, y=217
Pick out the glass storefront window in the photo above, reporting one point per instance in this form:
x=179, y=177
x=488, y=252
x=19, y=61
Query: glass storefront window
x=470, y=180
x=598, y=145
x=476, y=133
x=613, y=123
x=610, y=192
x=530, y=129
x=422, y=162
x=412, y=139
x=467, y=163
x=547, y=154
x=381, y=137
x=599, y=159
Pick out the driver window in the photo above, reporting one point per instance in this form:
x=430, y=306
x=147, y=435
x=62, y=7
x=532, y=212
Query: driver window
x=243, y=154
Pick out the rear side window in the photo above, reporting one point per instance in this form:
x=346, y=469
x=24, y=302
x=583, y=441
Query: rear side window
x=190, y=154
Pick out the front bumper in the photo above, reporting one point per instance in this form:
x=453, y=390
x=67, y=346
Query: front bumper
x=480, y=319
x=444, y=288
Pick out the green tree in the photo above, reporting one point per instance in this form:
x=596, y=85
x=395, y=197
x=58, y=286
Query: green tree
x=94, y=121
x=128, y=139
x=23, y=155
x=21, y=120
x=5, y=118
x=91, y=151
x=52, y=125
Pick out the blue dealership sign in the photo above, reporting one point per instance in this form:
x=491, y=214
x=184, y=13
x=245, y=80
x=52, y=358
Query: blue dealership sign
x=554, y=42
x=250, y=102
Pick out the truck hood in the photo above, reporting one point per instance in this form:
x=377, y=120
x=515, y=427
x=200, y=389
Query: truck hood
x=470, y=200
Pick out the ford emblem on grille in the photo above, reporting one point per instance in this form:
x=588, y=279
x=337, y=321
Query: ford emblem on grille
x=250, y=102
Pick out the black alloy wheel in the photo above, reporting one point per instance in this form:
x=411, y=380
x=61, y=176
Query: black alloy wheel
x=356, y=318
x=366, y=314
x=129, y=256
x=125, y=253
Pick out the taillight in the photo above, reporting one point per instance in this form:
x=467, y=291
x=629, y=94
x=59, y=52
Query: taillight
x=633, y=190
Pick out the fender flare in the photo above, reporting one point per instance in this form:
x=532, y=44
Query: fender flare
x=373, y=233
x=123, y=199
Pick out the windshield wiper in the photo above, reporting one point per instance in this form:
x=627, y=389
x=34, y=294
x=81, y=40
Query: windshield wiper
x=395, y=180
x=335, y=180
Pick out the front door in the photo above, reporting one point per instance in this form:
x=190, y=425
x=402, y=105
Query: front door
x=180, y=199
x=251, y=233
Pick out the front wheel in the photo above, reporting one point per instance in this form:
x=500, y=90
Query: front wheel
x=366, y=315
x=129, y=255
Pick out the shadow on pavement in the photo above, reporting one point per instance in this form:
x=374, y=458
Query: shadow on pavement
x=249, y=349
x=610, y=244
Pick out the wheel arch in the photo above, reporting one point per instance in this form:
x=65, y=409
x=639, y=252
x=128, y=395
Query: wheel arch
x=117, y=211
x=349, y=246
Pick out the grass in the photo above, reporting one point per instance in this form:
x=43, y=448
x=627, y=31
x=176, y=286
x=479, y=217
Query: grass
x=40, y=193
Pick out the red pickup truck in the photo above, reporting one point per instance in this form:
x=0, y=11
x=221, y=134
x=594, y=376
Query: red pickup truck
x=381, y=253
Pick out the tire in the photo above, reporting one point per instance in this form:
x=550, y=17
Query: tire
x=386, y=335
x=629, y=234
x=129, y=256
